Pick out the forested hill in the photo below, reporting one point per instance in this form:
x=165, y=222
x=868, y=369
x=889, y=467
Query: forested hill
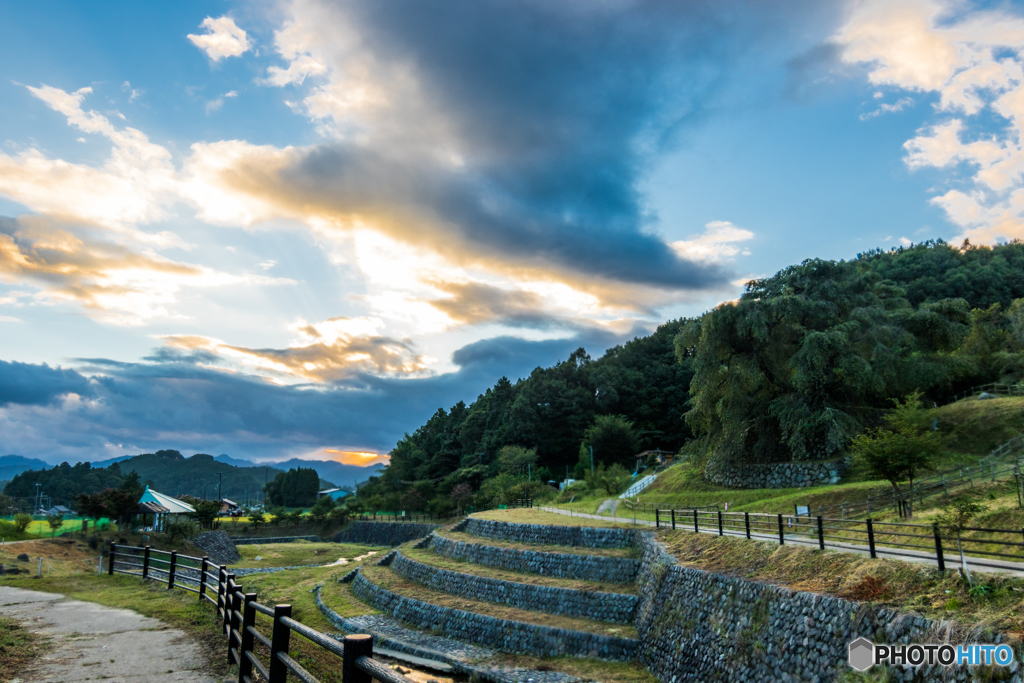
x=167, y=471
x=804, y=361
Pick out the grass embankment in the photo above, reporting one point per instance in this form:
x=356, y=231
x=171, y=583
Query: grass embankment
x=385, y=578
x=299, y=553
x=463, y=567
x=541, y=548
x=18, y=648
x=536, y=516
x=970, y=430
x=996, y=602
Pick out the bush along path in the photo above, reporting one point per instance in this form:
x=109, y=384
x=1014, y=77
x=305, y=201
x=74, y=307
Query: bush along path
x=92, y=642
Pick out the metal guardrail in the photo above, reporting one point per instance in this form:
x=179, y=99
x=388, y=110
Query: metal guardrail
x=238, y=611
x=889, y=538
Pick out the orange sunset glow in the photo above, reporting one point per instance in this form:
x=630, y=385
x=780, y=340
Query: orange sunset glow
x=354, y=457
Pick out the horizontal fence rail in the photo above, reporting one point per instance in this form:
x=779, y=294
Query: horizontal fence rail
x=885, y=538
x=237, y=612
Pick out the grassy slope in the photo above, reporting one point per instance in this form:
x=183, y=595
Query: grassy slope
x=535, y=516
x=564, y=549
x=970, y=430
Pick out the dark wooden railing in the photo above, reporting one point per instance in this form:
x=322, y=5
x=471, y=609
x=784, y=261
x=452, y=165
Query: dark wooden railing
x=887, y=538
x=237, y=612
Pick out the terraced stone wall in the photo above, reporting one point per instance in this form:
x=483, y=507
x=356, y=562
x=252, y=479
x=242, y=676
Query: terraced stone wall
x=218, y=546
x=382, y=533
x=698, y=625
x=510, y=636
x=562, y=565
x=778, y=475
x=584, y=537
x=614, y=607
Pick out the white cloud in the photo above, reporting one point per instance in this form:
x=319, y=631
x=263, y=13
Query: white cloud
x=222, y=39
x=972, y=61
x=715, y=244
x=887, y=108
x=214, y=105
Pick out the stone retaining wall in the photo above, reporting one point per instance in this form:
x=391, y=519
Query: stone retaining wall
x=580, y=536
x=562, y=565
x=778, y=475
x=382, y=533
x=255, y=540
x=218, y=547
x=510, y=636
x=701, y=626
x=614, y=607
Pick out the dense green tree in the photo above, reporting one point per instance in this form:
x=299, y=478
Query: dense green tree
x=296, y=487
x=613, y=439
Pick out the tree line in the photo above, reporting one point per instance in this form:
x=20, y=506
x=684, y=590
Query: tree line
x=796, y=369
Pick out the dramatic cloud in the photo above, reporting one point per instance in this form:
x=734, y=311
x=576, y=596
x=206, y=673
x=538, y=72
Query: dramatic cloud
x=715, y=244
x=334, y=350
x=222, y=39
x=108, y=408
x=972, y=59
x=523, y=167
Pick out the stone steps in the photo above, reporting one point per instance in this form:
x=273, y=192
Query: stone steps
x=506, y=628
x=618, y=608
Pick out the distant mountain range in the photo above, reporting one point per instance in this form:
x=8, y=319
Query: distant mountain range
x=11, y=465
x=339, y=473
x=174, y=474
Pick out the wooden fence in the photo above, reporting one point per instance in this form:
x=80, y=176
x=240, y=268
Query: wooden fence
x=238, y=612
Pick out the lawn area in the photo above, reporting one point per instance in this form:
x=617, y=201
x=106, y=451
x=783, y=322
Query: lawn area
x=299, y=553
x=538, y=547
x=536, y=516
x=464, y=567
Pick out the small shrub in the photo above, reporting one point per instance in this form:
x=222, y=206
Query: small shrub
x=21, y=521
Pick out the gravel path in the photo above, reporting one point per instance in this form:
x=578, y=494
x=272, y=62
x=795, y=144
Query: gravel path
x=92, y=642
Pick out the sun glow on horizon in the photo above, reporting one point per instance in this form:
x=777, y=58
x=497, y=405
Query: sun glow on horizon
x=362, y=458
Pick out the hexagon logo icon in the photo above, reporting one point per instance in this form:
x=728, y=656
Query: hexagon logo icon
x=862, y=654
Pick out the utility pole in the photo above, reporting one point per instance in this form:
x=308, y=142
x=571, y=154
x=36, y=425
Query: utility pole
x=591, y=459
x=220, y=483
x=37, y=498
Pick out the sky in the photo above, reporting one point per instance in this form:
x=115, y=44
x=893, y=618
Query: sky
x=298, y=228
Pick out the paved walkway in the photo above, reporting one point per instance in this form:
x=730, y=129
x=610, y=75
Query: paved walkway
x=92, y=642
x=952, y=559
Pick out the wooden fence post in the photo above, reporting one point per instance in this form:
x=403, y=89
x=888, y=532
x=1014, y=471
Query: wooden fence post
x=248, y=621
x=234, y=605
x=938, y=548
x=203, y=568
x=821, y=534
x=355, y=647
x=171, y=568
x=871, y=538
x=746, y=522
x=113, y=554
x=279, y=643
x=782, y=539
x=696, y=525
x=222, y=578
x=657, y=520
x=720, y=532
x=145, y=563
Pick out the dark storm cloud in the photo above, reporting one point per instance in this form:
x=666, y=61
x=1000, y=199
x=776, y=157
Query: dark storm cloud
x=558, y=110
x=179, y=404
x=27, y=384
